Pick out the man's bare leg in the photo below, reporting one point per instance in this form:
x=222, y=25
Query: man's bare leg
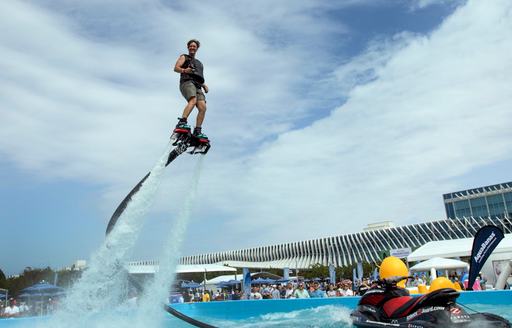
x=189, y=107
x=201, y=107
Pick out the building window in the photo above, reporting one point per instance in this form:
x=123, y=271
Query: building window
x=479, y=207
x=508, y=201
x=462, y=208
x=496, y=205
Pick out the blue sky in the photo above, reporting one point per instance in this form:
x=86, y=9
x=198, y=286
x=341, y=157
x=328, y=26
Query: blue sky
x=324, y=117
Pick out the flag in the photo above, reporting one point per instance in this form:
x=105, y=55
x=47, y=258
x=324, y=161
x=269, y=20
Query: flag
x=360, y=270
x=485, y=241
x=286, y=273
x=332, y=274
x=246, y=283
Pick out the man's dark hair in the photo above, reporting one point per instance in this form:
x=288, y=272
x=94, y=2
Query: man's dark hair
x=194, y=41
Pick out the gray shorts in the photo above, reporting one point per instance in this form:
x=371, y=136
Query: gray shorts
x=189, y=90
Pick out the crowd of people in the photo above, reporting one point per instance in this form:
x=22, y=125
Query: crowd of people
x=315, y=289
x=460, y=279
x=298, y=289
x=12, y=308
x=307, y=290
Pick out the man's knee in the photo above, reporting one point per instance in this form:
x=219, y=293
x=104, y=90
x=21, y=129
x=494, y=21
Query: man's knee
x=201, y=106
x=192, y=101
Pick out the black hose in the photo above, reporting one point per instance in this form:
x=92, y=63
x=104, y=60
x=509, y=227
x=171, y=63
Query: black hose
x=186, y=318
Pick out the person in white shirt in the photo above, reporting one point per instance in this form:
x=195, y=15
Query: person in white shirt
x=12, y=310
x=345, y=290
x=300, y=292
x=255, y=294
x=276, y=292
x=289, y=291
x=331, y=292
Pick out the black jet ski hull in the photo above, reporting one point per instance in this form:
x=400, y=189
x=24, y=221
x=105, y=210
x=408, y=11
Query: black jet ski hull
x=486, y=320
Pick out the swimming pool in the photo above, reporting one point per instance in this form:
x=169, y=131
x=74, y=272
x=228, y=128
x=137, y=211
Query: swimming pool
x=326, y=312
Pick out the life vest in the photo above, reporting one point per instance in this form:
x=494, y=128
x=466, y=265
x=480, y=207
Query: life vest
x=197, y=71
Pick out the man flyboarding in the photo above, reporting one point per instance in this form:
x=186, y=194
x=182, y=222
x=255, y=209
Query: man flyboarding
x=191, y=87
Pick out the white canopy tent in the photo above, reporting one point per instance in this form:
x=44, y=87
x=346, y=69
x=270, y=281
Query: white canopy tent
x=439, y=263
x=457, y=248
x=454, y=248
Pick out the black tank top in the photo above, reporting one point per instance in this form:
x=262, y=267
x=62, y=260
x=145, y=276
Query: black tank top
x=197, y=71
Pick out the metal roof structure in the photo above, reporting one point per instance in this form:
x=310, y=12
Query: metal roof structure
x=348, y=249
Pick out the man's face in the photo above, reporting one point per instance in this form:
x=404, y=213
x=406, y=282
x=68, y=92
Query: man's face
x=192, y=48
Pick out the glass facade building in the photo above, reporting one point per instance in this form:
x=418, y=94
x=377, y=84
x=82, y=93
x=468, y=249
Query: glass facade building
x=491, y=201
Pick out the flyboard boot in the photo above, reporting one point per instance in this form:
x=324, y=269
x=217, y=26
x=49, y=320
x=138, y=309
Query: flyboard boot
x=181, y=132
x=200, y=142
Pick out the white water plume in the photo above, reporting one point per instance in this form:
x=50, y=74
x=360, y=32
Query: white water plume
x=104, y=284
x=150, y=311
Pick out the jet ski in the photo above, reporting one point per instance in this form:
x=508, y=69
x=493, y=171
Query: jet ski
x=387, y=305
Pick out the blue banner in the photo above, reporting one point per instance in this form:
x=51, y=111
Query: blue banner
x=332, y=274
x=246, y=283
x=375, y=274
x=485, y=241
x=360, y=270
x=286, y=273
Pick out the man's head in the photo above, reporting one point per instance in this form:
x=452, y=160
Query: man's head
x=301, y=285
x=192, y=46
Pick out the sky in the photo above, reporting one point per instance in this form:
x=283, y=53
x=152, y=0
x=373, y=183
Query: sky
x=323, y=116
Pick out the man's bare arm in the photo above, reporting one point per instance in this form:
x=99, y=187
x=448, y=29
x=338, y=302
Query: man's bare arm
x=179, y=63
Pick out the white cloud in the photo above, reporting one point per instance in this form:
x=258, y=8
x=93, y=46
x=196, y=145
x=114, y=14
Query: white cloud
x=82, y=100
x=421, y=4
x=438, y=108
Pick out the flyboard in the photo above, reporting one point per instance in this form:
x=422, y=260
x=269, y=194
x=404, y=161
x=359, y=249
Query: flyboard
x=184, y=141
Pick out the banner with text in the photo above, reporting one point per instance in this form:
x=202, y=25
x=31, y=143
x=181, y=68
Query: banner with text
x=485, y=241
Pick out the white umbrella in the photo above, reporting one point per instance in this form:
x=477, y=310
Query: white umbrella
x=439, y=263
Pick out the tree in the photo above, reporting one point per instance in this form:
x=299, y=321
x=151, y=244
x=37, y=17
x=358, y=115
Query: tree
x=3, y=280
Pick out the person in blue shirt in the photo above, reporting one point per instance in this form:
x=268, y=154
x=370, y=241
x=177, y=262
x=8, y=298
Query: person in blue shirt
x=317, y=292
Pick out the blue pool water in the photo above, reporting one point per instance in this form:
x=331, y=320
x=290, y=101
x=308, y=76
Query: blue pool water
x=328, y=312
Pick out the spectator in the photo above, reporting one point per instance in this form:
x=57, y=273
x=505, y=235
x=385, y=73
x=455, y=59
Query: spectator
x=255, y=294
x=476, y=284
x=12, y=310
x=483, y=280
x=276, y=292
x=236, y=295
x=331, y=292
x=206, y=297
x=457, y=281
x=266, y=292
x=345, y=290
x=289, y=292
x=300, y=292
x=365, y=285
x=317, y=292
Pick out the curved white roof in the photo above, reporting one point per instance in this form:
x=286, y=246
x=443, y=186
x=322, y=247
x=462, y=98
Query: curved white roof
x=454, y=248
x=439, y=263
x=150, y=267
